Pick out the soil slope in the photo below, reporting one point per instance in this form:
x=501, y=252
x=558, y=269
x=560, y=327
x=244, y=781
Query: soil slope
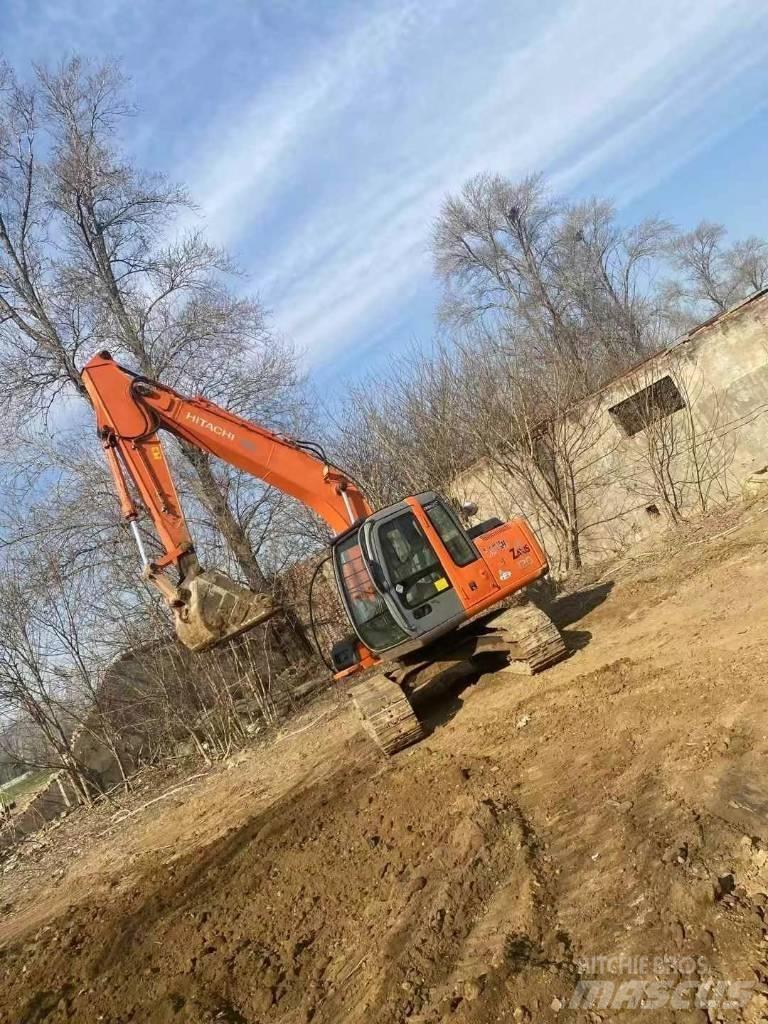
x=616, y=804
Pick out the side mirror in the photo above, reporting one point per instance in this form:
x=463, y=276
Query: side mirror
x=469, y=509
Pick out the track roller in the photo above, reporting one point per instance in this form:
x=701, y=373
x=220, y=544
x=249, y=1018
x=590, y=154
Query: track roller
x=386, y=713
x=535, y=641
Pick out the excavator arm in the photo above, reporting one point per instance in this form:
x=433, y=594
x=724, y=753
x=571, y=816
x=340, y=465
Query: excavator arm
x=130, y=411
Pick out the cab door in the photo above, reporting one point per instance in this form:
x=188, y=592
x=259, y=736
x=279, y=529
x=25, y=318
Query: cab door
x=464, y=564
x=416, y=582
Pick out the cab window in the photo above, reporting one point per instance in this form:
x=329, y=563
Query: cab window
x=372, y=619
x=412, y=566
x=451, y=534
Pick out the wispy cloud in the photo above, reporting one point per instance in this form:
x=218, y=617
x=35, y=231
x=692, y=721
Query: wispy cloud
x=320, y=140
x=263, y=149
x=352, y=160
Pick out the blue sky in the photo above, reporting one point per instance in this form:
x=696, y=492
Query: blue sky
x=320, y=136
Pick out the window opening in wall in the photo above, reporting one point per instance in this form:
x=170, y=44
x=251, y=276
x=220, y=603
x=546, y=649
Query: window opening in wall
x=648, y=406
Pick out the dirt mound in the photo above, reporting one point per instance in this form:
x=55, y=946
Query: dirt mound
x=331, y=902
x=615, y=806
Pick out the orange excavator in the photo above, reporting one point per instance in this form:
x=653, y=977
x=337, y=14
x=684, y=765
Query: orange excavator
x=422, y=593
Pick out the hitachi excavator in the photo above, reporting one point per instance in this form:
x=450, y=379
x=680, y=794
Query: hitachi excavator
x=421, y=592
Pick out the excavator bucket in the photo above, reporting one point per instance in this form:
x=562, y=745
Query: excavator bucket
x=216, y=609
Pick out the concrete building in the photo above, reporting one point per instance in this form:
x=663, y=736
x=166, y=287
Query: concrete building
x=677, y=435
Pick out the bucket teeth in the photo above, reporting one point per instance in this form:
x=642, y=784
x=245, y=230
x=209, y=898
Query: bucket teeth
x=215, y=609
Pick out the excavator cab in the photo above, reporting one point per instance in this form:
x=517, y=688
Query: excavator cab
x=411, y=572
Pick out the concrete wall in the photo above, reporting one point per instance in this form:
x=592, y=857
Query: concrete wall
x=711, y=445
x=128, y=690
x=105, y=765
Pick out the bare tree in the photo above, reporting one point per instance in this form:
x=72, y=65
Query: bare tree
x=700, y=256
x=546, y=449
x=750, y=264
x=40, y=660
x=406, y=430
x=88, y=259
x=563, y=278
x=714, y=275
x=165, y=303
x=43, y=323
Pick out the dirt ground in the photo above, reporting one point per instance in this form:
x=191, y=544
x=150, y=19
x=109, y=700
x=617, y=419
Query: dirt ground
x=616, y=805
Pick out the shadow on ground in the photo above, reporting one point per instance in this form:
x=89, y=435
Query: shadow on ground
x=439, y=702
x=576, y=639
x=569, y=608
x=442, y=699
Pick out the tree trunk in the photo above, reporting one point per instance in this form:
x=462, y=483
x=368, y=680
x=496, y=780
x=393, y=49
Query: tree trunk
x=231, y=529
x=290, y=635
x=574, y=547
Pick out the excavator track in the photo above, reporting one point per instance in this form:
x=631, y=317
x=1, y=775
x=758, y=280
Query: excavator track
x=535, y=641
x=387, y=714
x=521, y=631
